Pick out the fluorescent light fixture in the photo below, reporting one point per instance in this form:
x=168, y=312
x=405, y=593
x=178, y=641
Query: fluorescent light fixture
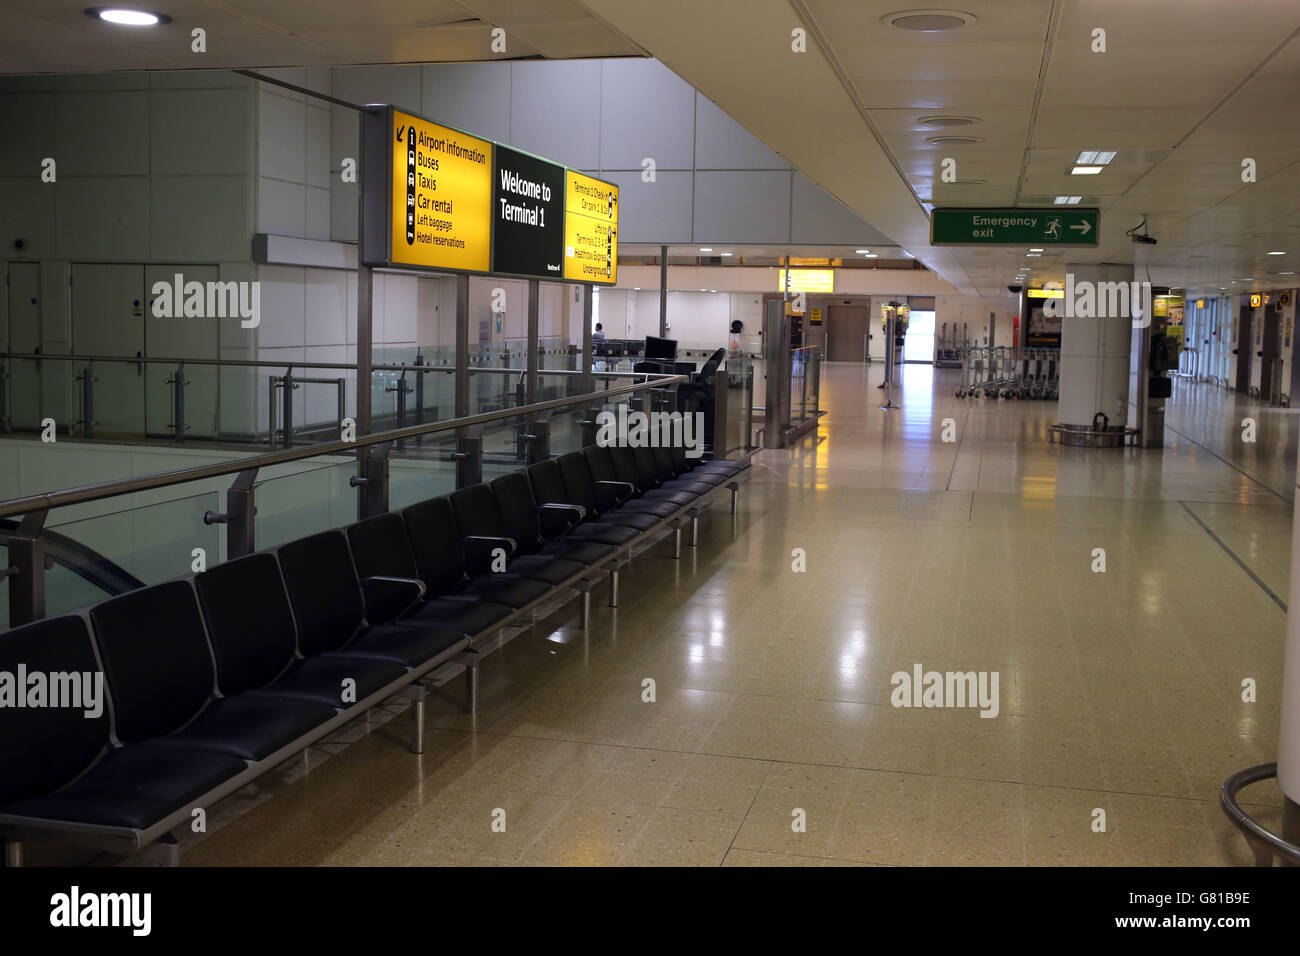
x=1035, y=250
x=1277, y=253
x=724, y=253
x=127, y=17
x=706, y=249
x=869, y=255
x=1033, y=255
x=1086, y=170
x=1286, y=273
x=1095, y=157
x=862, y=252
x=1067, y=200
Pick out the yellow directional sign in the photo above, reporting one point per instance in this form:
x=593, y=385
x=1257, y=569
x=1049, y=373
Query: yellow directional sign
x=441, y=196
x=590, y=229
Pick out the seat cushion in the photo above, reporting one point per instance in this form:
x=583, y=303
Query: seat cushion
x=728, y=467
x=321, y=679
x=545, y=568
x=614, y=534
x=708, y=475
x=134, y=786
x=690, y=486
x=406, y=644
x=650, y=506
x=249, y=726
x=667, y=494
x=618, y=519
x=584, y=552
x=507, y=589
x=464, y=616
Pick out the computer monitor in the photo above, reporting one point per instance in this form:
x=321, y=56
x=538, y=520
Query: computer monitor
x=662, y=349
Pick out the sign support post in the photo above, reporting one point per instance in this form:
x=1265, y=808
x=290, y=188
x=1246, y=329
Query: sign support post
x=365, y=327
x=530, y=378
x=586, y=338
x=663, y=292
x=890, y=361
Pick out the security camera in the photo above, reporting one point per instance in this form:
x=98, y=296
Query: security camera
x=1140, y=238
x=18, y=244
x=1014, y=288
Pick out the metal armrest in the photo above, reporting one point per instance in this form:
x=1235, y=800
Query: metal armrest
x=511, y=544
x=369, y=591
x=555, y=505
x=556, y=519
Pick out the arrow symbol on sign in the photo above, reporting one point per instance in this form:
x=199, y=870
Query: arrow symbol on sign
x=1085, y=227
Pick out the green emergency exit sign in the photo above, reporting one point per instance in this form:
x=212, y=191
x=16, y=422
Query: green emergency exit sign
x=1014, y=227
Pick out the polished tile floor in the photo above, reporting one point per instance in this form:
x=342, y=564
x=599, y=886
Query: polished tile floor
x=771, y=739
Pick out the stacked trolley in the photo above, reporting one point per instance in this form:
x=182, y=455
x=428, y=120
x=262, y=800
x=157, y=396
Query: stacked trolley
x=1009, y=372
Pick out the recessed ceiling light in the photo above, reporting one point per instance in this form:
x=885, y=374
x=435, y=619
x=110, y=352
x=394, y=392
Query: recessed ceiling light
x=952, y=140
x=948, y=120
x=928, y=21
x=1095, y=157
x=127, y=17
x=1066, y=200
x=1277, y=253
x=1085, y=170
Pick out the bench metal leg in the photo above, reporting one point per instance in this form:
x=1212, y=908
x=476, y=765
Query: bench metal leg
x=677, y=542
x=417, y=693
x=13, y=853
x=166, y=851
x=735, y=495
x=695, y=530
x=613, y=588
x=471, y=661
x=586, y=610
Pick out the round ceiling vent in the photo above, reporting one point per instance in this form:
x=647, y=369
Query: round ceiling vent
x=952, y=140
x=928, y=21
x=948, y=120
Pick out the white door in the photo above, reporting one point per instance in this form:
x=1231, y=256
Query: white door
x=108, y=322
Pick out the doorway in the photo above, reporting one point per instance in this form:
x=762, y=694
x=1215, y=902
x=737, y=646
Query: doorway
x=846, y=333
x=1245, y=348
x=1269, y=379
x=919, y=344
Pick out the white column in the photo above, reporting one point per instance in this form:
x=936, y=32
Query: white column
x=1095, y=353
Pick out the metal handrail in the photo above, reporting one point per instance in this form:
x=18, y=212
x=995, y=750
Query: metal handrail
x=125, y=486
x=1258, y=838
x=254, y=363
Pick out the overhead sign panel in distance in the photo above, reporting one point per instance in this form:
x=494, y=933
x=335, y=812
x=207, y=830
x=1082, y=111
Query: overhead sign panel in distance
x=806, y=280
x=527, y=215
x=433, y=210
x=590, y=229
x=1015, y=227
